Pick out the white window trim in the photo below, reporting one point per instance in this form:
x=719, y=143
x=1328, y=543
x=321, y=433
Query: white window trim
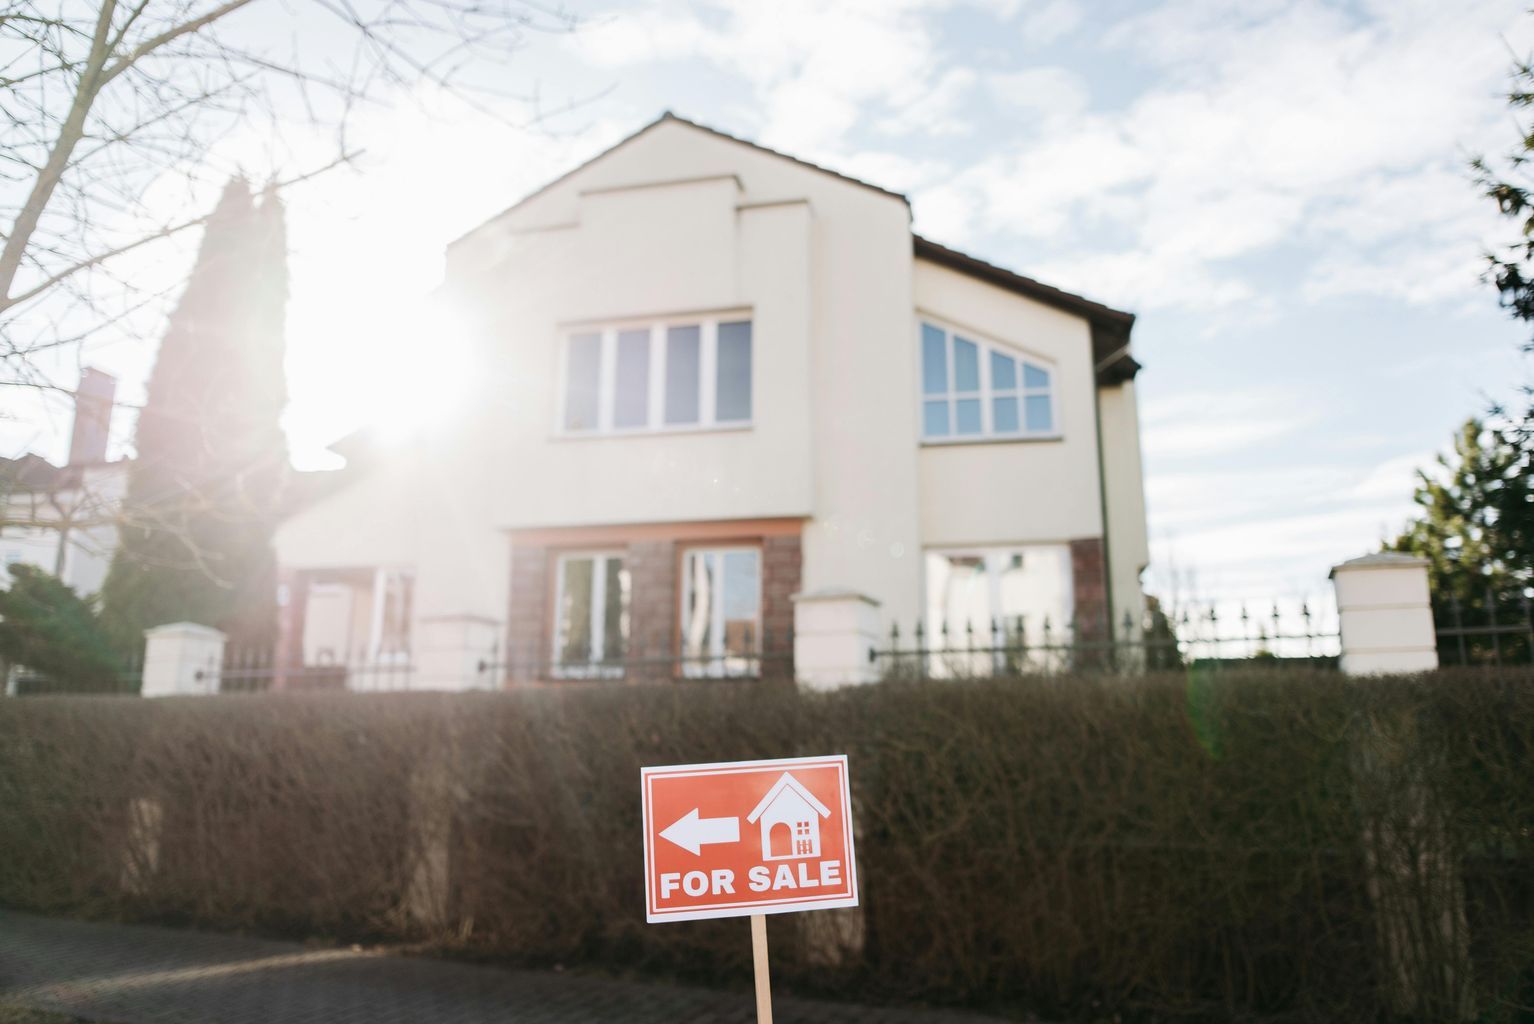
x=376, y=653
x=607, y=376
x=712, y=661
x=987, y=394
x=595, y=624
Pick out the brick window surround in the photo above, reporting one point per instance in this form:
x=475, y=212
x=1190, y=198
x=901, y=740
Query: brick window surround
x=1089, y=584
x=653, y=555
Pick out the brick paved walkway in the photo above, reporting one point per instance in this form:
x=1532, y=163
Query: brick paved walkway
x=136, y=975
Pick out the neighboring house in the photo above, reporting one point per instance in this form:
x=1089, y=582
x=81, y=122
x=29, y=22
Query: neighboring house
x=711, y=377
x=63, y=519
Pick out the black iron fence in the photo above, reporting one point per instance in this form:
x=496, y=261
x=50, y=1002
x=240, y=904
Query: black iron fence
x=1492, y=628
x=766, y=655
x=1207, y=635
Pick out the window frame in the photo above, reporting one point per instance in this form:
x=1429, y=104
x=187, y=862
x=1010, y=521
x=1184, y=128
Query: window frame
x=383, y=577
x=710, y=665
x=987, y=393
x=657, y=328
x=596, y=635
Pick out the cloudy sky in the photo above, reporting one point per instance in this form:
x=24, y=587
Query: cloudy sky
x=1278, y=189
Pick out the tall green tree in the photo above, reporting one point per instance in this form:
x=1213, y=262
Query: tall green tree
x=1471, y=525
x=1510, y=184
x=210, y=457
x=1476, y=524
x=48, y=628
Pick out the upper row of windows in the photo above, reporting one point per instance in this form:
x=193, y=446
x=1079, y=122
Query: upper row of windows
x=659, y=377
x=674, y=376
x=972, y=390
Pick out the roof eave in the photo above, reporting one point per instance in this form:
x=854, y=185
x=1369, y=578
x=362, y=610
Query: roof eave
x=1110, y=327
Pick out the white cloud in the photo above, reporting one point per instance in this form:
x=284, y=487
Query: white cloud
x=1045, y=93
x=1210, y=423
x=1268, y=124
x=1051, y=21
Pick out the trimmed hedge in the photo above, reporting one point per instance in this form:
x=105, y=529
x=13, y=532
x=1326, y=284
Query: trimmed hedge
x=1250, y=844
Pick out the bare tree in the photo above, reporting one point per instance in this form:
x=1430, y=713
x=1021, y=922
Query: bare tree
x=102, y=99
x=107, y=103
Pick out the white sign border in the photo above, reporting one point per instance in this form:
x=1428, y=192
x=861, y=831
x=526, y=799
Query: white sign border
x=787, y=906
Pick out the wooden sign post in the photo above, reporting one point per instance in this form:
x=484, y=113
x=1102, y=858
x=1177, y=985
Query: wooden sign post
x=748, y=838
x=759, y=967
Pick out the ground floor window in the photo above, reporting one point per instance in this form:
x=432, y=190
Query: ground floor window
x=591, y=618
x=721, y=611
x=999, y=603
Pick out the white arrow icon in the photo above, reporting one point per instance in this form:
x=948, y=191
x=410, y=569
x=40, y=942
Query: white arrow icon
x=691, y=832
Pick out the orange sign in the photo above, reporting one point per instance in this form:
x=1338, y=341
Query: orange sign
x=748, y=837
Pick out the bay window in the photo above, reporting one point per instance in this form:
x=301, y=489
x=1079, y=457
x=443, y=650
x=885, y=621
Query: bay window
x=974, y=390
x=663, y=376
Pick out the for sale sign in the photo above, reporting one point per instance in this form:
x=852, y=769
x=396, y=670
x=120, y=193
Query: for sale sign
x=748, y=837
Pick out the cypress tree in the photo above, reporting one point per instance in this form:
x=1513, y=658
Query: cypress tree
x=204, y=489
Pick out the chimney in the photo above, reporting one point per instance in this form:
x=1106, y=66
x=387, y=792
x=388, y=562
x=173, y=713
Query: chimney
x=93, y=417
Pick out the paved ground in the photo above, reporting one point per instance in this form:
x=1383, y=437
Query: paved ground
x=136, y=975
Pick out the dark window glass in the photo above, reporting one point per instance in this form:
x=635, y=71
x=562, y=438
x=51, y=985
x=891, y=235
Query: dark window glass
x=1003, y=372
x=683, y=373
x=967, y=413
x=1004, y=415
x=631, y=402
x=934, y=361
x=935, y=419
x=574, y=640
x=733, y=394
x=615, y=614
x=583, y=382
x=1040, y=416
x=966, y=365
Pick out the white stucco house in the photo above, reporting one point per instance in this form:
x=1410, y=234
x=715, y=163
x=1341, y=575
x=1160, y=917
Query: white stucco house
x=63, y=519
x=720, y=391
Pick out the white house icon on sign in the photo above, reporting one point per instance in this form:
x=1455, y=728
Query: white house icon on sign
x=790, y=817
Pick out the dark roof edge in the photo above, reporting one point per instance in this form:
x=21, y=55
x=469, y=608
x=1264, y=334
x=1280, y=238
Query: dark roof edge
x=669, y=116
x=1001, y=277
x=1110, y=327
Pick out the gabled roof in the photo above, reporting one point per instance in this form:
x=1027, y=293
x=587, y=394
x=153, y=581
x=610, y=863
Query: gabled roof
x=790, y=783
x=1110, y=327
x=669, y=116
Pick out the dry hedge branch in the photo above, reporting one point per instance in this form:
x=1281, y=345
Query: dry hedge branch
x=1204, y=847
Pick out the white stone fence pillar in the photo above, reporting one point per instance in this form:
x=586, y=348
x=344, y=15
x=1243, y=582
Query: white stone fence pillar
x=1385, y=612
x=835, y=635
x=182, y=659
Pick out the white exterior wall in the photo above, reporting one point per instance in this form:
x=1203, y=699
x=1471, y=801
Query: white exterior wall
x=1009, y=492
x=824, y=269
x=1128, y=541
x=88, y=549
